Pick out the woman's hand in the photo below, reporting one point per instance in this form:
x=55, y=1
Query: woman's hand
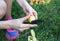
x=31, y=11
x=18, y=24
x=27, y=8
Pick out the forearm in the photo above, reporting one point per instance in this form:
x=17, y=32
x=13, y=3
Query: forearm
x=5, y=24
x=24, y=4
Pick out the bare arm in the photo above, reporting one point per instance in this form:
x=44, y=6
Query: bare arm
x=16, y=24
x=5, y=24
x=27, y=8
x=24, y=4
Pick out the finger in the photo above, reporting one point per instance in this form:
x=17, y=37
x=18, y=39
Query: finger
x=29, y=25
x=25, y=18
x=22, y=29
x=35, y=14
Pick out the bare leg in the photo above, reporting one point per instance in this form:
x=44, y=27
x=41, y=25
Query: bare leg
x=3, y=8
x=9, y=6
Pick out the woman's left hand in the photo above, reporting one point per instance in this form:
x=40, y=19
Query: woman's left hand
x=31, y=11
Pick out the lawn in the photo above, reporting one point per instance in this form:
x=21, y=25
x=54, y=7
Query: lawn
x=46, y=31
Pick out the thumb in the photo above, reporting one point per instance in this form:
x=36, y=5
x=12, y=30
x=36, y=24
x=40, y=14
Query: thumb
x=26, y=17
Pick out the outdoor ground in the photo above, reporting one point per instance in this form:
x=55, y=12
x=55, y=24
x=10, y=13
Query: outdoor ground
x=49, y=30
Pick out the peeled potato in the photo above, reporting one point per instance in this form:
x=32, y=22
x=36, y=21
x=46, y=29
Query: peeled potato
x=31, y=18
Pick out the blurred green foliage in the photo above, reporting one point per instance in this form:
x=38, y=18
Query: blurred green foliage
x=46, y=31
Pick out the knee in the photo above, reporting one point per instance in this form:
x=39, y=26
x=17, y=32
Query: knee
x=3, y=8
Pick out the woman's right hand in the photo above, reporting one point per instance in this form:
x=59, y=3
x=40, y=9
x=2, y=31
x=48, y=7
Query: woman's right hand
x=19, y=25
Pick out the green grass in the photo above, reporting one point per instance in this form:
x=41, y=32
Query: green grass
x=46, y=31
